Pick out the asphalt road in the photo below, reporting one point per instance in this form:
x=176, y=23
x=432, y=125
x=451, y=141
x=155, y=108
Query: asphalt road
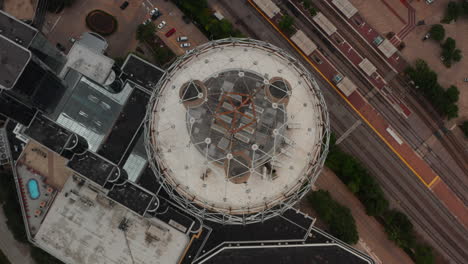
x=404, y=190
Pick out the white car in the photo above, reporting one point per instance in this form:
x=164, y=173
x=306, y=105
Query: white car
x=185, y=45
x=154, y=11
x=188, y=51
x=147, y=21
x=162, y=24
x=430, y=1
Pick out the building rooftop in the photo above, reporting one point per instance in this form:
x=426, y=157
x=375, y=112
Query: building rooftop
x=90, y=111
x=142, y=72
x=49, y=133
x=132, y=196
x=237, y=127
x=279, y=254
x=16, y=30
x=94, y=167
x=88, y=62
x=126, y=126
x=13, y=60
x=83, y=226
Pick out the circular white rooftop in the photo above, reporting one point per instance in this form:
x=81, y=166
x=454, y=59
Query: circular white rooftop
x=237, y=131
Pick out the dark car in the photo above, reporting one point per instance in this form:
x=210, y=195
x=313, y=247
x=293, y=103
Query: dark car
x=170, y=32
x=60, y=47
x=124, y=5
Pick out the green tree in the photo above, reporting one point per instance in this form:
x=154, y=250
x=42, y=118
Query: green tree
x=338, y=217
x=452, y=94
x=399, y=228
x=437, y=32
x=145, y=32
x=450, y=52
x=307, y=3
x=423, y=255
x=286, y=24
x=464, y=128
x=452, y=12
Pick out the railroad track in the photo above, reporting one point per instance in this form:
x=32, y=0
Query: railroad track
x=404, y=188
x=455, y=148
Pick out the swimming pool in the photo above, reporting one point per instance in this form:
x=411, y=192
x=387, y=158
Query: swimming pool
x=33, y=189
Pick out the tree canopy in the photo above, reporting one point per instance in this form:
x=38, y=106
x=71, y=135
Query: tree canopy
x=450, y=52
x=145, y=32
x=452, y=12
x=338, y=217
x=437, y=32
x=286, y=24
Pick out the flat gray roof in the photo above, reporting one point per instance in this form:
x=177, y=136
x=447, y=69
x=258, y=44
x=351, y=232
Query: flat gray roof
x=13, y=60
x=15, y=30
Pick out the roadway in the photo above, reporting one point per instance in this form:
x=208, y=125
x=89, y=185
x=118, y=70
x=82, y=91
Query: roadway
x=404, y=190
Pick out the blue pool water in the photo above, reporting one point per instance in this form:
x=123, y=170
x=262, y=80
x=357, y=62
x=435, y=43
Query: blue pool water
x=33, y=188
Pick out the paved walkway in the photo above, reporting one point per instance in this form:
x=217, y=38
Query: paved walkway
x=15, y=251
x=373, y=238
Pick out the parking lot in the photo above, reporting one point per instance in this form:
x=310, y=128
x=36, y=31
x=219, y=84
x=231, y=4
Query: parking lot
x=173, y=17
x=59, y=28
x=123, y=40
x=430, y=50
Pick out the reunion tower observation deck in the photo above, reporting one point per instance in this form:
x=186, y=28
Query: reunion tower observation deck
x=237, y=131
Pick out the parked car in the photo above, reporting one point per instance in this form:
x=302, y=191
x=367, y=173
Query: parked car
x=147, y=21
x=72, y=40
x=124, y=5
x=162, y=24
x=182, y=39
x=430, y=1
x=60, y=47
x=154, y=11
x=170, y=32
x=188, y=51
x=185, y=45
x=428, y=35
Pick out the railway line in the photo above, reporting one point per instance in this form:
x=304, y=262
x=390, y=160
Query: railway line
x=457, y=181
x=430, y=217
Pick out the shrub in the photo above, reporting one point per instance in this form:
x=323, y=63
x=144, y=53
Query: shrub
x=437, y=32
x=286, y=24
x=338, y=217
x=423, y=255
x=452, y=12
